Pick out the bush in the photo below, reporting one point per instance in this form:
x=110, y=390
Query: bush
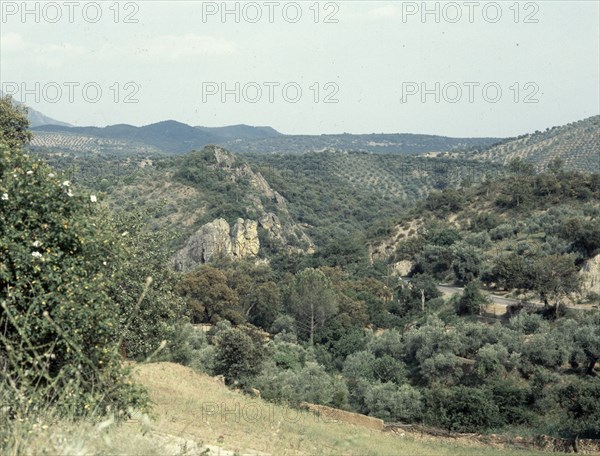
x=514, y=402
x=59, y=324
x=391, y=402
x=462, y=409
x=491, y=361
x=311, y=384
x=579, y=402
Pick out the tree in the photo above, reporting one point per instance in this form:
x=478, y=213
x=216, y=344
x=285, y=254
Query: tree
x=587, y=339
x=579, y=401
x=467, y=262
x=144, y=253
x=491, y=361
x=265, y=305
x=391, y=402
x=555, y=276
x=209, y=297
x=511, y=271
x=556, y=166
x=421, y=289
x=583, y=234
x=520, y=167
x=462, y=409
x=472, y=300
x=259, y=297
x=312, y=302
x=239, y=355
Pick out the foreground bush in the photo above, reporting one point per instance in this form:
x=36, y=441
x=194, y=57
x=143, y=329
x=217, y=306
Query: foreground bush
x=58, y=325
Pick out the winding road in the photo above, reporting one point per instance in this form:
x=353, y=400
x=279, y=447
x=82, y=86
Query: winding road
x=449, y=290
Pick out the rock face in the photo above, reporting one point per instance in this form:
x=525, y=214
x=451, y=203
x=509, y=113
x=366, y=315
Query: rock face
x=403, y=268
x=244, y=238
x=216, y=238
x=264, y=209
x=590, y=276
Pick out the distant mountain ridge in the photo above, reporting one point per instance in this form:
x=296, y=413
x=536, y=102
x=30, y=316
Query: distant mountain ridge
x=177, y=138
x=36, y=118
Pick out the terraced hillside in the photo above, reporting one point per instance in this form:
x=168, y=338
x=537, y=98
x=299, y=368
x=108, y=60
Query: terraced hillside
x=88, y=144
x=577, y=143
x=380, y=143
x=386, y=175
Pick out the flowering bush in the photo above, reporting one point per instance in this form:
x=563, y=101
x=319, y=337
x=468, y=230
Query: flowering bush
x=57, y=323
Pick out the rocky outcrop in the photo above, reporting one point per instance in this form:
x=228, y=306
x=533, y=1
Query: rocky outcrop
x=270, y=222
x=403, y=268
x=216, y=238
x=590, y=276
x=244, y=238
x=265, y=208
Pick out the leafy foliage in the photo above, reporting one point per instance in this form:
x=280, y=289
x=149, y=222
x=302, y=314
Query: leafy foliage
x=59, y=325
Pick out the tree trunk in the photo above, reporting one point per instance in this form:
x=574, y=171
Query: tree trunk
x=590, y=368
x=312, y=324
x=422, y=300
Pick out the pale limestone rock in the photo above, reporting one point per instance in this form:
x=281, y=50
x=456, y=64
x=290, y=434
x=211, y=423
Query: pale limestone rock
x=271, y=223
x=212, y=238
x=590, y=276
x=216, y=238
x=403, y=268
x=244, y=238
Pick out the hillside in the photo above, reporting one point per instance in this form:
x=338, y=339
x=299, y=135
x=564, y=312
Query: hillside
x=515, y=219
x=577, y=144
x=350, y=194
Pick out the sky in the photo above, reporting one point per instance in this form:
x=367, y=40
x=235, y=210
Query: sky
x=460, y=69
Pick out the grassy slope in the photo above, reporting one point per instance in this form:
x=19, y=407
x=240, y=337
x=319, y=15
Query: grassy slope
x=184, y=399
x=195, y=415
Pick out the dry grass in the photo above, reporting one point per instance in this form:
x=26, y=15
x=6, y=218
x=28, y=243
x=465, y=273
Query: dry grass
x=197, y=407
x=195, y=415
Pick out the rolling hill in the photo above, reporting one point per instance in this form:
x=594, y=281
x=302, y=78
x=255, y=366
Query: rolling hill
x=577, y=143
x=176, y=138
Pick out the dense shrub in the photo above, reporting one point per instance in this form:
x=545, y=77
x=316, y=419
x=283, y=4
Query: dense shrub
x=392, y=403
x=239, y=355
x=462, y=409
x=59, y=326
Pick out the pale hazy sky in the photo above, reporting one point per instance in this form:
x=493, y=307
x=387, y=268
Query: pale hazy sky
x=371, y=60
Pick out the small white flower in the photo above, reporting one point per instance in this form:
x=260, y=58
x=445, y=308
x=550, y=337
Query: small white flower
x=93, y=198
x=125, y=233
x=69, y=193
x=37, y=244
x=29, y=172
x=5, y=196
x=104, y=263
x=36, y=254
x=66, y=183
x=51, y=175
